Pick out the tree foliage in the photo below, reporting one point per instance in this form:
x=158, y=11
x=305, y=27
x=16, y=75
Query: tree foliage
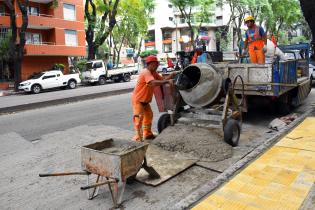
x=273, y=15
x=193, y=18
x=98, y=29
x=132, y=23
x=17, y=38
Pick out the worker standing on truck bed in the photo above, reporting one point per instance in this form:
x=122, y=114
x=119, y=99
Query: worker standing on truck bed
x=256, y=41
x=142, y=96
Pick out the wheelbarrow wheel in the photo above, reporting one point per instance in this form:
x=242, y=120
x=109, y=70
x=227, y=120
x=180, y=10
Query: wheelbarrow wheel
x=232, y=132
x=163, y=122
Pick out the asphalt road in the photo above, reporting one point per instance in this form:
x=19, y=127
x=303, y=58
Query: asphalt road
x=113, y=111
x=32, y=124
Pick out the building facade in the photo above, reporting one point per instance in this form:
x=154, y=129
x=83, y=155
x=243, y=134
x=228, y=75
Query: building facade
x=53, y=34
x=170, y=33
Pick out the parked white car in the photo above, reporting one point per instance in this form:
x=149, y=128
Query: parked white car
x=97, y=72
x=49, y=79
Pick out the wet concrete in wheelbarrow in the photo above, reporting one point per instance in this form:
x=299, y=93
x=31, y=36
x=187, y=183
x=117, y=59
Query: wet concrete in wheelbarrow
x=200, y=143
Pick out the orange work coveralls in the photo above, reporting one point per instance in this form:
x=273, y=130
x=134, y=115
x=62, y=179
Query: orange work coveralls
x=141, y=98
x=256, y=47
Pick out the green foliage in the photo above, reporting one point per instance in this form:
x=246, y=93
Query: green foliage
x=102, y=52
x=298, y=39
x=132, y=23
x=276, y=16
x=195, y=19
x=4, y=47
x=59, y=66
x=81, y=64
x=148, y=52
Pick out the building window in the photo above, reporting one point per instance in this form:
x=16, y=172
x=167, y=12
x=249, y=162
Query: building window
x=170, y=6
x=2, y=10
x=167, y=48
x=33, y=38
x=3, y=32
x=33, y=11
x=69, y=12
x=170, y=18
x=71, y=38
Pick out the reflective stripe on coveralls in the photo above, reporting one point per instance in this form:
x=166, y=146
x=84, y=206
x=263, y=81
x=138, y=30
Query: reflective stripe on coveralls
x=142, y=120
x=256, y=51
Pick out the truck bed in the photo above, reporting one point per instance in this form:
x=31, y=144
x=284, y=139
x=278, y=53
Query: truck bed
x=265, y=80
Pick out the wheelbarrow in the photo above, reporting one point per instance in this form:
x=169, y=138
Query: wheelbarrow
x=113, y=161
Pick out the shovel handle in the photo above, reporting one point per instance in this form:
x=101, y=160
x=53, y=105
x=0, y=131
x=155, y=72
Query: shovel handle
x=65, y=174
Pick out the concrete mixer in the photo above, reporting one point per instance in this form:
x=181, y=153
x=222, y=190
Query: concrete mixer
x=202, y=97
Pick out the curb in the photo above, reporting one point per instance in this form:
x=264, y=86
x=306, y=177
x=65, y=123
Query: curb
x=215, y=183
x=42, y=104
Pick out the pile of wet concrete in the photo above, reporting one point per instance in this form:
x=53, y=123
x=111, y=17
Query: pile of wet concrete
x=200, y=143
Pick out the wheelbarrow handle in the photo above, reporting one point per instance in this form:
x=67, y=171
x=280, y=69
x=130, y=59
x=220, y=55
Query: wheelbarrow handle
x=97, y=184
x=65, y=174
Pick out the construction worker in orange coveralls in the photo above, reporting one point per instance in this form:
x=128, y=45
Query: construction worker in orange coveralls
x=256, y=41
x=142, y=96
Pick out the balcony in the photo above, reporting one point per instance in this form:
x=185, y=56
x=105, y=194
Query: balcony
x=4, y=19
x=44, y=21
x=50, y=49
x=152, y=43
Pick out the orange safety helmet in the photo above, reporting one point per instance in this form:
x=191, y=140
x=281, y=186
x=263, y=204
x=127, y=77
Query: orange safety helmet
x=150, y=59
x=249, y=18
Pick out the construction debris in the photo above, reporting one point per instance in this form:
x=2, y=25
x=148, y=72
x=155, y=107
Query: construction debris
x=279, y=123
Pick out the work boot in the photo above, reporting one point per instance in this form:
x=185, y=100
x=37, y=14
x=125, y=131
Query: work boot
x=137, y=138
x=149, y=137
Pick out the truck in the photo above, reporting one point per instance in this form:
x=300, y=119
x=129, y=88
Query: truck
x=49, y=79
x=96, y=72
x=283, y=84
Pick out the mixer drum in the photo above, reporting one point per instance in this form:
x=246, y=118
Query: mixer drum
x=206, y=85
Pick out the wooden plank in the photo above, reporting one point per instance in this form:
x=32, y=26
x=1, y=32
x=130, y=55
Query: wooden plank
x=167, y=164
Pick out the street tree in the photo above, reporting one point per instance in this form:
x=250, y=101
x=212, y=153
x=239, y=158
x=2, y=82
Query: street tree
x=132, y=23
x=148, y=6
x=98, y=29
x=308, y=8
x=194, y=19
x=17, y=37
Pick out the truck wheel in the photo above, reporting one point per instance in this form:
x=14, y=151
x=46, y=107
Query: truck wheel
x=72, y=84
x=102, y=81
x=126, y=78
x=36, y=89
x=163, y=122
x=232, y=132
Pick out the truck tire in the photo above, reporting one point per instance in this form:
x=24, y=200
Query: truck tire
x=101, y=80
x=36, y=88
x=72, y=84
x=163, y=122
x=232, y=132
x=126, y=78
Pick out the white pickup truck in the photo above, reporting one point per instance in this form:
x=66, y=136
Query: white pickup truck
x=96, y=71
x=49, y=79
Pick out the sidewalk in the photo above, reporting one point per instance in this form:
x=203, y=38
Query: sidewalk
x=281, y=178
x=18, y=102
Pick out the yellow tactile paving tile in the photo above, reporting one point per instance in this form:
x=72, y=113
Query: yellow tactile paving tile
x=280, y=179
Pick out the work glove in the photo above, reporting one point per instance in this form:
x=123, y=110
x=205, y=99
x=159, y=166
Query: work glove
x=265, y=49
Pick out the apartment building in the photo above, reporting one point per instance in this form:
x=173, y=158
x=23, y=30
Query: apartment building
x=53, y=35
x=169, y=31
